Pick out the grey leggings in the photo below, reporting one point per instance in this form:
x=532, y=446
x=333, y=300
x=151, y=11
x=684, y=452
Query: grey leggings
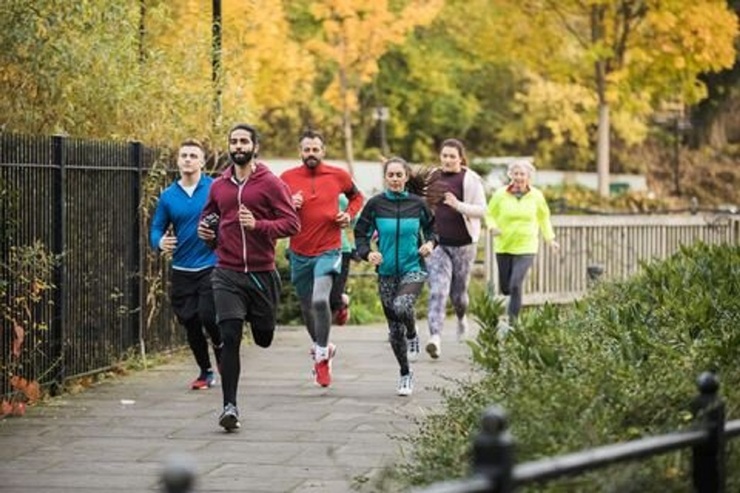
x=449, y=276
x=511, y=272
x=316, y=312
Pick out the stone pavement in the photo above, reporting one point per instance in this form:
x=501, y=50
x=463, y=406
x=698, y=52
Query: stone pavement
x=295, y=437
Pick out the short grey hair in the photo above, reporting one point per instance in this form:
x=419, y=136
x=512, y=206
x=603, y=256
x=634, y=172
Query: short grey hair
x=525, y=164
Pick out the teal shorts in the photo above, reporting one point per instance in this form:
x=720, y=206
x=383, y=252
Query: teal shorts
x=303, y=270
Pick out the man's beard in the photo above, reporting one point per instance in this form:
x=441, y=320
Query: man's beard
x=241, y=158
x=311, y=161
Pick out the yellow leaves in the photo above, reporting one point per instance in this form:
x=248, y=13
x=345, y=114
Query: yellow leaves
x=356, y=33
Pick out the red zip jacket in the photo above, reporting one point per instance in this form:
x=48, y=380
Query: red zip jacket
x=321, y=187
x=269, y=200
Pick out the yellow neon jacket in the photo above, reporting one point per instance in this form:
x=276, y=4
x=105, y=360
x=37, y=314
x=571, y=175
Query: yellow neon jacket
x=519, y=220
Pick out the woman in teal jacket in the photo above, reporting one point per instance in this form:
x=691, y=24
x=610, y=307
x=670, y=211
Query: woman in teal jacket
x=516, y=214
x=405, y=235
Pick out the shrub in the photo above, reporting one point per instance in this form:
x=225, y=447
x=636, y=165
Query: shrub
x=617, y=365
x=25, y=287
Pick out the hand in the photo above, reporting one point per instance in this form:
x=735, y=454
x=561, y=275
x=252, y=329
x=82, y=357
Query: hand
x=205, y=232
x=426, y=248
x=168, y=243
x=246, y=218
x=554, y=246
x=451, y=200
x=297, y=199
x=342, y=219
x=495, y=231
x=375, y=258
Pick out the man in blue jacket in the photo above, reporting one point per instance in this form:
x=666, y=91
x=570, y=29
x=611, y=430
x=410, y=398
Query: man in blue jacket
x=191, y=295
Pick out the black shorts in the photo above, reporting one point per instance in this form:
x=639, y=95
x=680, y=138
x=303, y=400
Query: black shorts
x=191, y=295
x=250, y=296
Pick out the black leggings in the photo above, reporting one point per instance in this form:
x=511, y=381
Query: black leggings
x=340, y=282
x=198, y=343
x=231, y=332
x=511, y=272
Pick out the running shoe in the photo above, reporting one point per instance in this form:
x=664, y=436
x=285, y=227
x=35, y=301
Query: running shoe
x=322, y=368
x=413, y=349
x=205, y=380
x=406, y=384
x=433, y=346
x=229, y=419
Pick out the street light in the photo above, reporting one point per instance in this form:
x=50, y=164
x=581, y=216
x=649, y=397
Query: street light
x=673, y=117
x=216, y=63
x=382, y=115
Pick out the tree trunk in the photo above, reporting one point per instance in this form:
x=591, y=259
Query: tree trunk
x=346, y=120
x=602, y=138
x=602, y=149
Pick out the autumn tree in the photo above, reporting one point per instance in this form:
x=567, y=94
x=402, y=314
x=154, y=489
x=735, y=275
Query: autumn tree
x=142, y=70
x=354, y=35
x=253, y=80
x=630, y=54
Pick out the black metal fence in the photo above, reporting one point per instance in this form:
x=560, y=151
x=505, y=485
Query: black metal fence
x=493, y=458
x=82, y=203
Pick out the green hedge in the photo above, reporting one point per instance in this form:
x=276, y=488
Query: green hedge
x=618, y=365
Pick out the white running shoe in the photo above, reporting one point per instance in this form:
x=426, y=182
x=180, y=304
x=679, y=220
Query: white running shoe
x=406, y=384
x=434, y=346
x=413, y=349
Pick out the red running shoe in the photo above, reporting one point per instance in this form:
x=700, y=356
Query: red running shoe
x=341, y=316
x=205, y=380
x=322, y=369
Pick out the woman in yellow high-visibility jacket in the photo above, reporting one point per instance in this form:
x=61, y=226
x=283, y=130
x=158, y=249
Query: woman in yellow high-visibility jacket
x=517, y=214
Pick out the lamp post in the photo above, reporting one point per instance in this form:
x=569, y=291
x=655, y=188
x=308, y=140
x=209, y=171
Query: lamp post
x=672, y=117
x=381, y=115
x=216, y=63
x=680, y=124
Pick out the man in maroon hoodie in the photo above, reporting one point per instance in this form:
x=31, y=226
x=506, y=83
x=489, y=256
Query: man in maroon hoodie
x=247, y=210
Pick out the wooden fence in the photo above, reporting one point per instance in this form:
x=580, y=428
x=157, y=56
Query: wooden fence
x=610, y=247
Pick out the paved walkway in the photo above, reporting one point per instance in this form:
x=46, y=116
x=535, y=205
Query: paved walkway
x=295, y=437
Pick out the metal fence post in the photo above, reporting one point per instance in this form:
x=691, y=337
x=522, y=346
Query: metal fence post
x=59, y=214
x=493, y=450
x=709, y=457
x=137, y=279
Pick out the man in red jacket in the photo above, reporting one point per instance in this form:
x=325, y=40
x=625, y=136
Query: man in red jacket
x=247, y=210
x=315, y=252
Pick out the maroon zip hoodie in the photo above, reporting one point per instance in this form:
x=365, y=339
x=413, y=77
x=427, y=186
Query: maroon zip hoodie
x=269, y=199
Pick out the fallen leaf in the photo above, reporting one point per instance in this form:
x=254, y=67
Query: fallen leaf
x=5, y=408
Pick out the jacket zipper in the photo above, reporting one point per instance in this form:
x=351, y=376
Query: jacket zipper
x=398, y=237
x=241, y=229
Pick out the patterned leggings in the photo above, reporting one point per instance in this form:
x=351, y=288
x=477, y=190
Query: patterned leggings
x=398, y=295
x=449, y=276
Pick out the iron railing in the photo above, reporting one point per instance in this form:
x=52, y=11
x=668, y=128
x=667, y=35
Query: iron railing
x=493, y=458
x=80, y=200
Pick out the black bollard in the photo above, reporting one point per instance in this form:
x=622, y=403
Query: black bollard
x=493, y=450
x=709, y=457
x=179, y=475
